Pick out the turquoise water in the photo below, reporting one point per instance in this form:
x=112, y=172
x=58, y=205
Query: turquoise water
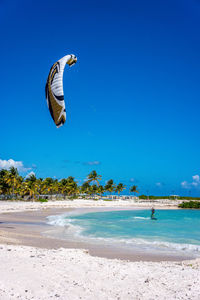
x=174, y=230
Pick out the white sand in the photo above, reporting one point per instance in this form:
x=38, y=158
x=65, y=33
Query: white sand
x=33, y=273
x=9, y=206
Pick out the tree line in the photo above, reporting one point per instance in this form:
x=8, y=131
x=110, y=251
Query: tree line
x=14, y=186
x=190, y=204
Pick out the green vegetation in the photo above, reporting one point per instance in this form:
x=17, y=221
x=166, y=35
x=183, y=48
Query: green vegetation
x=133, y=189
x=110, y=186
x=94, y=177
x=189, y=198
x=42, y=200
x=15, y=187
x=119, y=188
x=190, y=204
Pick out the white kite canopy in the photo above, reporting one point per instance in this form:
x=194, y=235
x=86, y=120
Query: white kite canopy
x=54, y=89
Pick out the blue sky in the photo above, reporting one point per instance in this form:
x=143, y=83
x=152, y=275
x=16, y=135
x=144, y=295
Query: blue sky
x=132, y=98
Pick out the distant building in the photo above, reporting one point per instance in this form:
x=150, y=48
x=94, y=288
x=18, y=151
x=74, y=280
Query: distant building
x=175, y=197
x=116, y=197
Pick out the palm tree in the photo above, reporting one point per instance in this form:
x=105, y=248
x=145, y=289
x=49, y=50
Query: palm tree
x=74, y=189
x=133, y=189
x=47, y=185
x=20, y=180
x=31, y=178
x=68, y=186
x=71, y=186
x=85, y=188
x=1, y=189
x=62, y=187
x=39, y=184
x=4, y=186
x=30, y=188
x=94, y=177
x=93, y=189
x=119, y=188
x=100, y=190
x=56, y=187
x=25, y=188
x=109, y=187
x=12, y=179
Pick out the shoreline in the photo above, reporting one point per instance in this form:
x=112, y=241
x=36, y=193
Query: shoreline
x=30, y=228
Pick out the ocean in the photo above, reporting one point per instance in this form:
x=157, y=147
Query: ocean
x=174, y=231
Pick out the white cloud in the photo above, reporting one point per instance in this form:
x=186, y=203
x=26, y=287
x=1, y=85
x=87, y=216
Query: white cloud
x=92, y=163
x=29, y=174
x=196, y=178
x=160, y=184
x=132, y=180
x=194, y=183
x=6, y=164
x=184, y=184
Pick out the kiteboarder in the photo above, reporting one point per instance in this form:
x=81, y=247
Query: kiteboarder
x=152, y=213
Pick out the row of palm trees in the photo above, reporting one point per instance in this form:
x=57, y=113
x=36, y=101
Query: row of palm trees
x=14, y=186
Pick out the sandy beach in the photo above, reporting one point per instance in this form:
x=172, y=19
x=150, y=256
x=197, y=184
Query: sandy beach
x=99, y=160
x=35, y=266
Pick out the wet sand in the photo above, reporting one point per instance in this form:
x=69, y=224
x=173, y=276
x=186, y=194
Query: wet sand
x=27, y=229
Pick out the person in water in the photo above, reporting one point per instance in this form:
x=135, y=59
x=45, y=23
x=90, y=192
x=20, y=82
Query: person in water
x=152, y=213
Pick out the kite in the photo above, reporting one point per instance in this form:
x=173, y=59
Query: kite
x=54, y=89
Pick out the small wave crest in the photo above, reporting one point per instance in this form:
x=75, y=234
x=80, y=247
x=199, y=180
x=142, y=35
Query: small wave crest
x=64, y=221
x=141, y=218
x=153, y=245
x=60, y=220
x=165, y=245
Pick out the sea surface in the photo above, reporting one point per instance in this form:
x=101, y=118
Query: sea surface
x=174, y=231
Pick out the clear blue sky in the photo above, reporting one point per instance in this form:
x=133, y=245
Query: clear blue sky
x=133, y=98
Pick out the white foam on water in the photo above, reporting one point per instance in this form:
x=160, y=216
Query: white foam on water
x=62, y=220
x=141, y=218
x=160, y=246
x=65, y=222
x=57, y=220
